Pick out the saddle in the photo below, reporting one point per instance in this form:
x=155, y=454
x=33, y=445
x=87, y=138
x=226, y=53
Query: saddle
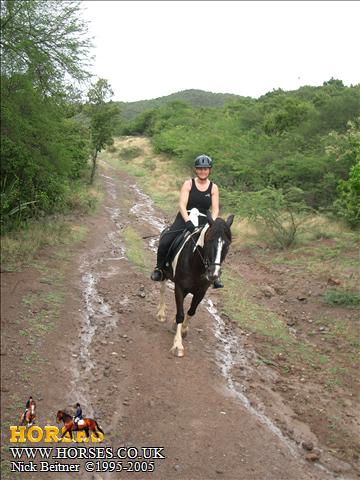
x=176, y=245
x=197, y=239
x=78, y=424
x=179, y=242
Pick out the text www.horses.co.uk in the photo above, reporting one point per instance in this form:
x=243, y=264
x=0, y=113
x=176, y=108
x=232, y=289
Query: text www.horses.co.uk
x=97, y=459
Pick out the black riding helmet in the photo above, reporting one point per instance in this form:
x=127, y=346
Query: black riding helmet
x=203, y=161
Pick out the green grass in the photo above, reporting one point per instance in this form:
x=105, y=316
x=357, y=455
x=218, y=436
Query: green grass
x=133, y=169
x=30, y=299
x=338, y=297
x=18, y=248
x=149, y=164
x=47, y=305
x=135, y=251
x=251, y=316
x=32, y=358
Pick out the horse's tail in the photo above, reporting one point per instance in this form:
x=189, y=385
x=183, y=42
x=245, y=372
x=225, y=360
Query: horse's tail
x=99, y=428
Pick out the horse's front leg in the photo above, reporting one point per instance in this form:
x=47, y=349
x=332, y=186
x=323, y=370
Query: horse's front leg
x=160, y=315
x=69, y=431
x=177, y=349
x=191, y=312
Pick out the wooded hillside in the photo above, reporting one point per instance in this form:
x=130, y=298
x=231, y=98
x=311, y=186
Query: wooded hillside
x=303, y=144
x=196, y=98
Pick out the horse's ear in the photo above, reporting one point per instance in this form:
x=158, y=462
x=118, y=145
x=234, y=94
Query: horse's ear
x=229, y=220
x=209, y=217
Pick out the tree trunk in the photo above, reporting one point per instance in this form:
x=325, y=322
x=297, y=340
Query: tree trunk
x=93, y=169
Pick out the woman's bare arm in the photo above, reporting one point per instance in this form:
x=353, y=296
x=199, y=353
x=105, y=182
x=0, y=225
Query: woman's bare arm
x=214, y=201
x=184, y=197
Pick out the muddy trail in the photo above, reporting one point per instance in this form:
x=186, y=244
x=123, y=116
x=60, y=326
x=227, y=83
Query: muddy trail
x=204, y=412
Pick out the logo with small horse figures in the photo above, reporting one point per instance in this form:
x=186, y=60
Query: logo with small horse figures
x=76, y=428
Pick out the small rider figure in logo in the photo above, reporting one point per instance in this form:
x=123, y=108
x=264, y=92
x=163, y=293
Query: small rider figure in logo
x=78, y=415
x=29, y=412
x=27, y=406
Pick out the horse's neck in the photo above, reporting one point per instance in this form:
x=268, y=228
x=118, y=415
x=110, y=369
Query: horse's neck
x=67, y=417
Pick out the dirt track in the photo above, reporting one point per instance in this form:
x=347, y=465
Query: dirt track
x=108, y=352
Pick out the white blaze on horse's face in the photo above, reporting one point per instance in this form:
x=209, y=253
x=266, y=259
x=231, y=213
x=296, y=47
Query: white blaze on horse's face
x=215, y=268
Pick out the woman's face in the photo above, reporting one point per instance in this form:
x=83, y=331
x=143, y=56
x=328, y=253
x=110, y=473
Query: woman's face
x=202, y=173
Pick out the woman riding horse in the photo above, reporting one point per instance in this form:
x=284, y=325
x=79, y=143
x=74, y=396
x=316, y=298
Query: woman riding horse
x=197, y=264
x=88, y=425
x=200, y=193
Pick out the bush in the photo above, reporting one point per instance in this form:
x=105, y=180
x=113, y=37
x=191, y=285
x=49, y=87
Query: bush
x=129, y=153
x=279, y=214
x=348, y=204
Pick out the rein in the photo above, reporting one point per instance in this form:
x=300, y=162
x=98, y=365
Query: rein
x=205, y=261
x=165, y=233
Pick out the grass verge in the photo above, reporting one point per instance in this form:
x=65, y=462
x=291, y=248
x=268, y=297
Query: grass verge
x=135, y=251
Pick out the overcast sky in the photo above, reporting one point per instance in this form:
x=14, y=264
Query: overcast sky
x=148, y=49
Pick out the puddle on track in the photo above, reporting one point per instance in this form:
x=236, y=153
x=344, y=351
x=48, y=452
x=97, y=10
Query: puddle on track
x=97, y=312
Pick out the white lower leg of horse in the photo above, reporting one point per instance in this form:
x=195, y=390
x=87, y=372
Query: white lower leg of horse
x=177, y=349
x=161, y=308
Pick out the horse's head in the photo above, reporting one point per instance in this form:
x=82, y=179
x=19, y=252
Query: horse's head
x=216, y=246
x=60, y=415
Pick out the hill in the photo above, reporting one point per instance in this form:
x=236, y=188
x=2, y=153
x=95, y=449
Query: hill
x=197, y=98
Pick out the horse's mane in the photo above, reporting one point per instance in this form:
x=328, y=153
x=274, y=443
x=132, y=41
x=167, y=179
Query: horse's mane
x=66, y=414
x=218, y=228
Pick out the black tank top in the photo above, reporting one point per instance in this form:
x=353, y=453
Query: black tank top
x=198, y=199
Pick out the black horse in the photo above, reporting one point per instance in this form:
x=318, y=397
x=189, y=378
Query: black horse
x=196, y=269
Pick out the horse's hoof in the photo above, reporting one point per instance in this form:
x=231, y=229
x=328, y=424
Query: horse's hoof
x=160, y=319
x=178, y=352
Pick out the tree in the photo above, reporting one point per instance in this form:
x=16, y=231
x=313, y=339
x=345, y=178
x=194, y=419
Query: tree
x=44, y=52
x=103, y=116
x=46, y=40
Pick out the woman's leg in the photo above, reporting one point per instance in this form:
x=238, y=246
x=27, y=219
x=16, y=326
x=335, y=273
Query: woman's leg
x=165, y=242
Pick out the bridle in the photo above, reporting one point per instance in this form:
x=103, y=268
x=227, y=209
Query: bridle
x=205, y=261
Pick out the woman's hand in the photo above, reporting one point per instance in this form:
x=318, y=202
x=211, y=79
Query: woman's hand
x=190, y=227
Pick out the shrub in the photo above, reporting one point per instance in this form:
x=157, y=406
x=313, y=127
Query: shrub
x=129, y=153
x=348, y=203
x=279, y=214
